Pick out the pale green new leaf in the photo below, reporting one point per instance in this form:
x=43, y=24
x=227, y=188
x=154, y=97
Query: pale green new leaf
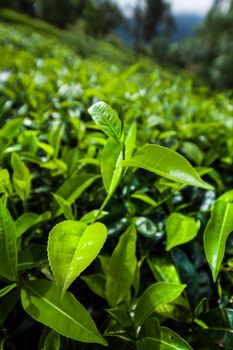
x=72, y=246
x=110, y=165
x=130, y=141
x=112, y=156
x=216, y=233
x=157, y=294
x=167, y=163
x=5, y=184
x=122, y=267
x=8, y=132
x=65, y=206
x=163, y=269
x=66, y=316
x=21, y=177
x=193, y=152
x=89, y=217
x=8, y=249
x=180, y=229
x=104, y=116
x=227, y=196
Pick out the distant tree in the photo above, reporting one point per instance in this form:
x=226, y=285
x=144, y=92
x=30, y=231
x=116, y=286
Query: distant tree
x=156, y=19
x=152, y=19
x=101, y=17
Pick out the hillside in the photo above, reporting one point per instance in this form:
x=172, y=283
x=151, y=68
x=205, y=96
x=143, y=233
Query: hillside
x=116, y=199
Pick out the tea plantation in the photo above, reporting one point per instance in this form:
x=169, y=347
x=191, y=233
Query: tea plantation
x=116, y=198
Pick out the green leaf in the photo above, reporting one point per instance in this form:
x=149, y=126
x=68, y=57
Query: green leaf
x=104, y=116
x=167, y=163
x=52, y=341
x=161, y=338
x=227, y=196
x=21, y=177
x=88, y=218
x=8, y=249
x=32, y=256
x=8, y=132
x=66, y=316
x=5, y=184
x=219, y=332
x=120, y=314
x=157, y=294
x=163, y=269
x=97, y=283
x=180, y=229
x=144, y=198
x=112, y=156
x=216, y=233
x=110, y=165
x=130, y=141
x=65, y=207
x=7, y=289
x=72, y=189
x=122, y=267
x=7, y=304
x=28, y=220
x=172, y=340
x=193, y=152
x=72, y=246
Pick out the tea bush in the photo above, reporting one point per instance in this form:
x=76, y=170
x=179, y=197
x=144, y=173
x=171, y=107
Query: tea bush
x=116, y=185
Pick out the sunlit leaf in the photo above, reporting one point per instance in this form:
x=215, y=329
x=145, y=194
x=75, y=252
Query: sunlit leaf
x=216, y=233
x=157, y=294
x=104, y=116
x=66, y=316
x=167, y=163
x=180, y=229
x=72, y=246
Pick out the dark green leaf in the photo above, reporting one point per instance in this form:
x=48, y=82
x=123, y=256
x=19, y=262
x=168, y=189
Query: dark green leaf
x=40, y=299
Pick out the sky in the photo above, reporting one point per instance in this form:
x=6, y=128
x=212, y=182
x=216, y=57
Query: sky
x=199, y=7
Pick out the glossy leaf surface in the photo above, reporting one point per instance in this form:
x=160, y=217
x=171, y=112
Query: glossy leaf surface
x=72, y=246
x=66, y=316
x=180, y=229
x=110, y=165
x=167, y=163
x=164, y=269
x=216, y=233
x=157, y=294
x=104, y=116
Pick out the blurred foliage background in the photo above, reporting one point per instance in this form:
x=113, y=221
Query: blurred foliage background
x=149, y=29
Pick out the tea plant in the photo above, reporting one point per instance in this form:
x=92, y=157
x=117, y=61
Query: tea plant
x=115, y=218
